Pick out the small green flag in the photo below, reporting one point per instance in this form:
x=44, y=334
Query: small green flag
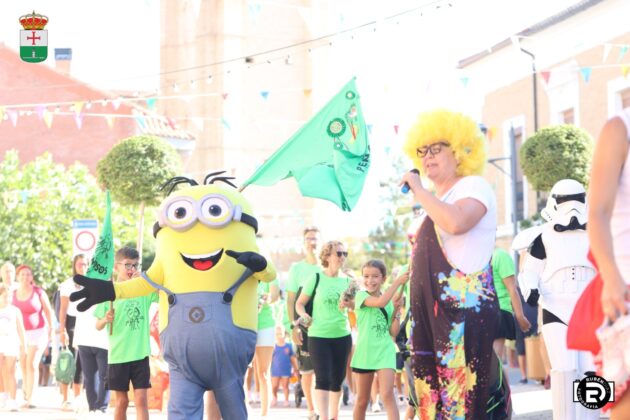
x=329, y=156
x=102, y=264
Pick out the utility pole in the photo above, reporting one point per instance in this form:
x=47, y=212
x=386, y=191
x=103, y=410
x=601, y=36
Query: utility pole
x=534, y=87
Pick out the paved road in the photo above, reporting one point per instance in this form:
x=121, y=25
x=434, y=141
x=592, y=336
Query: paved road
x=530, y=402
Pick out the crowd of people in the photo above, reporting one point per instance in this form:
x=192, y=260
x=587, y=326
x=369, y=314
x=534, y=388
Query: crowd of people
x=431, y=333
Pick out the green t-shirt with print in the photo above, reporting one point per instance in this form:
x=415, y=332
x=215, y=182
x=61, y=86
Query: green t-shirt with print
x=299, y=273
x=502, y=267
x=328, y=320
x=265, y=313
x=129, y=340
x=375, y=348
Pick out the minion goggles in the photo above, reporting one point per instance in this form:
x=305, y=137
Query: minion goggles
x=180, y=213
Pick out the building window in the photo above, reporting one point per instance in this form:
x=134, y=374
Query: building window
x=624, y=95
x=520, y=184
x=568, y=116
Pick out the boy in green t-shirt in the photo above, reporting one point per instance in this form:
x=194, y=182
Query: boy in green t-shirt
x=129, y=349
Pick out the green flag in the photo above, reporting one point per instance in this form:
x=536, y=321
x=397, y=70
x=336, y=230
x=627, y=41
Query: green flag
x=102, y=263
x=329, y=156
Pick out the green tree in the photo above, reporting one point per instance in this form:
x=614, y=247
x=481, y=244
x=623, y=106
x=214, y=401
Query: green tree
x=555, y=153
x=133, y=171
x=39, y=202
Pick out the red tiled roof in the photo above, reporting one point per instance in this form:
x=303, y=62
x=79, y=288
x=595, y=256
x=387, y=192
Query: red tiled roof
x=28, y=83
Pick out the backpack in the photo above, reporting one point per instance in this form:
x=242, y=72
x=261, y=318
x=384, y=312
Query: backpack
x=309, y=310
x=65, y=367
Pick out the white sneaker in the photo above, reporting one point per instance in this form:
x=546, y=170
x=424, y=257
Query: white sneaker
x=12, y=405
x=376, y=408
x=3, y=399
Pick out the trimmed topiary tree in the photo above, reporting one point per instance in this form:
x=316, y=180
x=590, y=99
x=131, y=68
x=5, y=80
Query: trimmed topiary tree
x=133, y=171
x=555, y=153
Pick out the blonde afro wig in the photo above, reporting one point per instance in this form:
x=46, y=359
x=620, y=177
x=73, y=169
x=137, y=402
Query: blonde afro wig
x=461, y=132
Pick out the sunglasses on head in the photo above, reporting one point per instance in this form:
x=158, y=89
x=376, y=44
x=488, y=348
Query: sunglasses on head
x=342, y=254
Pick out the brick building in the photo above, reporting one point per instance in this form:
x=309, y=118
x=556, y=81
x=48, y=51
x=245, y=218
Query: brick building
x=581, y=68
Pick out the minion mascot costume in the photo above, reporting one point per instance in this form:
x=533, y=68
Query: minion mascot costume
x=557, y=270
x=207, y=267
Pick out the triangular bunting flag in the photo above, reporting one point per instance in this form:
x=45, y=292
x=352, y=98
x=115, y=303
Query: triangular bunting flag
x=40, y=109
x=307, y=92
x=545, y=75
x=586, y=73
x=492, y=131
x=151, y=103
x=110, y=121
x=464, y=81
x=13, y=116
x=225, y=95
x=225, y=124
x=116, y=103
x=622, y=52
x=141, y=122
x=607, y=48
x=264, y=94
x=369, y=128
x=624, y=70
x=78, y=107
x=396, y=129
x=79, y=120
x=48, y=118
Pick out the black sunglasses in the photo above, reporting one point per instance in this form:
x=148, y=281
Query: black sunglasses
x=434, y=148
x=342, y=254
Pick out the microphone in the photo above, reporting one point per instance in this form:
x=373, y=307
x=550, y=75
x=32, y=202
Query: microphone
x=405, y=188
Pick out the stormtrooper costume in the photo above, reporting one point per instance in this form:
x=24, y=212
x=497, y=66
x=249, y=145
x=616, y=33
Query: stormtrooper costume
x=556, y=270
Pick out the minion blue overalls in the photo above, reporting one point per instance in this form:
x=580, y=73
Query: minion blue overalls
x=205, y=351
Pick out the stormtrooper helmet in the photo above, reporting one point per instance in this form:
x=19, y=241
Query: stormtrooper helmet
x=566, y=205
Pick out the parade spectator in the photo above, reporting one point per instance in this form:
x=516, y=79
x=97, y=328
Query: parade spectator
x=609, y=235
x=37, y=316
x=12, y=344
x=510, y=307
x=453, y=301
x=267, y=294
x=7, y=272
x=129, y=347
x=378, y=320
x=299, y=273
x=282, y=361
x=329, y=340
x=67, y=321
x=92, y=346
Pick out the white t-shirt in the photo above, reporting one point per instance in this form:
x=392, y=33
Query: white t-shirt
x=620, y=219
x=85, y=332
x=471, y=251
x=65, y=289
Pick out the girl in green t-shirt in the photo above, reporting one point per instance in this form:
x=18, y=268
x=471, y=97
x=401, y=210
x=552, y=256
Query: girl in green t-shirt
x=378, y=321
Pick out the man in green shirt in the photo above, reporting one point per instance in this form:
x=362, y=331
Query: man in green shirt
x=299, y=274
x=129, y=349
x=509, y=301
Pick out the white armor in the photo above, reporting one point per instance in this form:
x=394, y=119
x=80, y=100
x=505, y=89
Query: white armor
x=556, y=268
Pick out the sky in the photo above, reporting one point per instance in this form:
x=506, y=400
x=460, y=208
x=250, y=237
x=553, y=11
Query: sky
x=403, y=67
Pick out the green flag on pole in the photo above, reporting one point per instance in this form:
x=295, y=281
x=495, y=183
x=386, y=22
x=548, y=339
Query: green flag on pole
x=103, y=260
x=329, y=156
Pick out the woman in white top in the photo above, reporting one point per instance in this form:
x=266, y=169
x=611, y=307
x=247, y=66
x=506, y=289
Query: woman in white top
x=453, y=301
x=609, y=231
x=67, y=321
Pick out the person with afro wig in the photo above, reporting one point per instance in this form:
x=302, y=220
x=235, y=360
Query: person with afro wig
x=453, y=300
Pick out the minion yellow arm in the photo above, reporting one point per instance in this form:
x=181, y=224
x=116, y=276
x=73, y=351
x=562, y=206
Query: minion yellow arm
x=139, y=286
x=268, y=274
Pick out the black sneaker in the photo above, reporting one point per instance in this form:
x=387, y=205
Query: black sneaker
x=346, y=394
